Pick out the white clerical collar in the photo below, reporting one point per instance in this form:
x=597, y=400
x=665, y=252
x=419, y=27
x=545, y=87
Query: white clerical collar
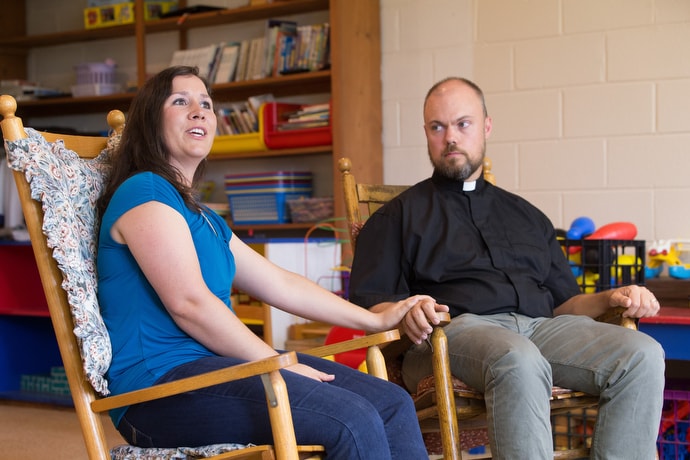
x=469, y=186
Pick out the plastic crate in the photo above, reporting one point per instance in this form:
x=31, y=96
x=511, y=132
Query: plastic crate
x=95, y=89
x=574, y=429
x=674, y=432
x=95, y=72
x=262, y=208
x=603, y=264
x=276, y=138
x=233, y=143
x=261, y=198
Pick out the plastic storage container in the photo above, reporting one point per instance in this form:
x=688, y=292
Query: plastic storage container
x=274, y=118
x=674, y=432
x=310, y=209
x=603, y=264
x=261, y=198
x=21, y=291
x=95, y=79
x=235, y=143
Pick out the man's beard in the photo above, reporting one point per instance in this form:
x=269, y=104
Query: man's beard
x=451, y=170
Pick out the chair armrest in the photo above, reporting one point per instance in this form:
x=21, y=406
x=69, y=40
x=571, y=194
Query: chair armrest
x=354, y=344
x=376, y=364
x=615, y=316
x=196, y=382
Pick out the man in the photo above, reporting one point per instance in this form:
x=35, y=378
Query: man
x=520, y=323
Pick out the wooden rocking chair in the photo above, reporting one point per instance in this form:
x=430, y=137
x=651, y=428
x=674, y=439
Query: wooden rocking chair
x=58, y=189
x=444, y=404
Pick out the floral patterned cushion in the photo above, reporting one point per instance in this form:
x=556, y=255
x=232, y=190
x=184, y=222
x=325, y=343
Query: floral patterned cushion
x=125, y=452
x=68, y=187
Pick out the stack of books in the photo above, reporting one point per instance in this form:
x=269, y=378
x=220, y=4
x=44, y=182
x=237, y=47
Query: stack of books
x=309, y=116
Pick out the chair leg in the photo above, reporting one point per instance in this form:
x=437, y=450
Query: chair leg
x=448, y=421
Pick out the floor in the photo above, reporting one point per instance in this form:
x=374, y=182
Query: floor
x=39, y=432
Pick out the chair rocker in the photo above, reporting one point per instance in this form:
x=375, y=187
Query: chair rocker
x=445, y=405
x=58, y=189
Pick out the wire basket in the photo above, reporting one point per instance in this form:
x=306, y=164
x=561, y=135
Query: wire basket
x=310, y=209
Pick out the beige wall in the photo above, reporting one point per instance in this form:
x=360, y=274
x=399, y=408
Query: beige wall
x=590, y=100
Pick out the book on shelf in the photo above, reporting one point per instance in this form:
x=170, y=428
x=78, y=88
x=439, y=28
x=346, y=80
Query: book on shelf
x=314, y=108
x=258, y=99
x=291, y=126
x=241, y=71
x=228, y=63
x=306, y=116
x=204, y=58
x=277, y=31
x=256, y=59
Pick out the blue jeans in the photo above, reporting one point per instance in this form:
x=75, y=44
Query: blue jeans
x=356, y=416
x=514, y=360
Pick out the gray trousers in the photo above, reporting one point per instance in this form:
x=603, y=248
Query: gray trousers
x=514, y=360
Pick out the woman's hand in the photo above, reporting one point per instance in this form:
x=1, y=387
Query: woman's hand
x=310, y=372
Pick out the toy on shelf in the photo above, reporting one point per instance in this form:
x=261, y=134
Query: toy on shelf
x=667, y=252
x=614, y=231
x=580, y=228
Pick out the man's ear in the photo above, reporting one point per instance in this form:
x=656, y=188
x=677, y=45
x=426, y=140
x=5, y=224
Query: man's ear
x=488, y=125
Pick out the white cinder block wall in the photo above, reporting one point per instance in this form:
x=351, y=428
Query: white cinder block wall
x=590, y=100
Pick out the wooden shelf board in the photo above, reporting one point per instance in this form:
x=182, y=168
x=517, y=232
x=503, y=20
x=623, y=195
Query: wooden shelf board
x=59, y=106
x=324, y=149
x=296, y=84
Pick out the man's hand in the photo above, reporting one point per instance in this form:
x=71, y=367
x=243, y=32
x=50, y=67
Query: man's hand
x=638, y=300
x=420, y=319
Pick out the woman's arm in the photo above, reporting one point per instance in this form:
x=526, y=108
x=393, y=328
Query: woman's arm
x=161, y=243
x=298, y=295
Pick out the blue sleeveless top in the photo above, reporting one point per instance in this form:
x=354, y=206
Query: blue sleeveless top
x=146, y=342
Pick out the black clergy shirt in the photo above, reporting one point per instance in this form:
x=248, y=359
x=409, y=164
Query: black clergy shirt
x=483, y=251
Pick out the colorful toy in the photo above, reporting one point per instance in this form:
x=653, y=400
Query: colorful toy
x=614, y=231
x=667, y=252
x=626, y=266
x=580, y=228
x=588, y=282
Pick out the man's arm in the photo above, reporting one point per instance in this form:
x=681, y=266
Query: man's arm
x=638, y=301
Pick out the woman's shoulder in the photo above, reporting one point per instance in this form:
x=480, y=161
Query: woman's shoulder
x=147, y=186
x=147, y=182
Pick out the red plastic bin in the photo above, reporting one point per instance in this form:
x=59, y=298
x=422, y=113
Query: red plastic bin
x=21, y=291
x=274, y=114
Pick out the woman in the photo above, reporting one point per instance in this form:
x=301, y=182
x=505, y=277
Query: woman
x=165, y=265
